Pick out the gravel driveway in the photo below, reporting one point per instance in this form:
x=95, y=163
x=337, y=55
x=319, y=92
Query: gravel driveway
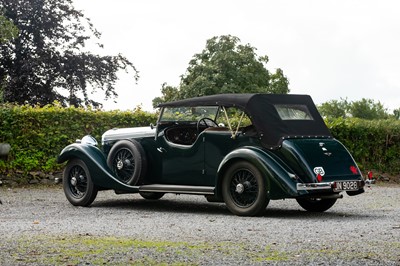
x=39, y=227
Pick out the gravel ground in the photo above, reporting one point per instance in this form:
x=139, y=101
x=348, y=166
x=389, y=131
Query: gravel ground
x=39, y=227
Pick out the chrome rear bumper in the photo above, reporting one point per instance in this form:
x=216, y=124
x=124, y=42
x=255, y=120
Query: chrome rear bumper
x=314, y=186
x=335, y=186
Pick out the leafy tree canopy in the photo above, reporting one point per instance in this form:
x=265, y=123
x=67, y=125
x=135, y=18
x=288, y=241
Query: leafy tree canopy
x=225, y=66
x=8, y=30
x=365, y=109
x=334, y=108
x=368, y=109
x=396, y=113
x=48, y=57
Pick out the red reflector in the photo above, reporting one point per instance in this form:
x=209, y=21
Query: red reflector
x=370, y=175
x=353, y=169
x=319, y=178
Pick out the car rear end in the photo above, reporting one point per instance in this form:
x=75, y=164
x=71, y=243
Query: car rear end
x=322, y=167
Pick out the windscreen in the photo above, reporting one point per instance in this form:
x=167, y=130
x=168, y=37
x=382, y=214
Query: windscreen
x=188, y=113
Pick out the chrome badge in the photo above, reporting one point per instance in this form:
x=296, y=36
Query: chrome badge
x=319, y=171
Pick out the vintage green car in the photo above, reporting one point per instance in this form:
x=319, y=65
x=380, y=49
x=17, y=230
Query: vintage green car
x=241, y=149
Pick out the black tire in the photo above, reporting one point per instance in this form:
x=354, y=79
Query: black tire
x=127, y=160
x=77, y=184
x=316, y=204
x=244, y=190
x=152, y=195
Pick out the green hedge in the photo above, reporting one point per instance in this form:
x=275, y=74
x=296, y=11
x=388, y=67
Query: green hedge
x=37, y=135
x=374, y=144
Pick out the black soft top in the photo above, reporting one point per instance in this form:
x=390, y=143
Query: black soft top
x=261, y=108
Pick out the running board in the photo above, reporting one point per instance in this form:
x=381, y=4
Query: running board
x=178, y=189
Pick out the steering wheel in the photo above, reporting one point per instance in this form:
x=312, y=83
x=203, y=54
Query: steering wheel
x=204, y=120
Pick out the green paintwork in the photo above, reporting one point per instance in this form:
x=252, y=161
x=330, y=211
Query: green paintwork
x=303, y=155
x=279, y=183
x=182, y=164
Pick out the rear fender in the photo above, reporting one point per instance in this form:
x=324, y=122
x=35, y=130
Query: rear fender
x=97, y=164
x=278, y=179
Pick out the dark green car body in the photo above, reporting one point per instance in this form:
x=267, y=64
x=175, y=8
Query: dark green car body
x=283, y=150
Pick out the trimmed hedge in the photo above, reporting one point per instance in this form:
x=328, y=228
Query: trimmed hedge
x=37, y=135
x=374, y=144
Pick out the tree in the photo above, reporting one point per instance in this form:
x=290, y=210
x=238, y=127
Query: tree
x=368, y=109
x=8, y=30
x=169, y=94
x=279, y=84
x=365, y=109
x=47, y=61
x=396, y=113
x=334, y=108
x=226, y=66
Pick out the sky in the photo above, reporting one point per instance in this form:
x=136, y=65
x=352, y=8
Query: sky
x=327, y=49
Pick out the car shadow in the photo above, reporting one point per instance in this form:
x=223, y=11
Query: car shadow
x=164, y=205
x=276, y=213
x=218, y=209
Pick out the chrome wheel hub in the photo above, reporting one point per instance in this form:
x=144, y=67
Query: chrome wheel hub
x=120, y=164
x=74, y=181
x=239, y=188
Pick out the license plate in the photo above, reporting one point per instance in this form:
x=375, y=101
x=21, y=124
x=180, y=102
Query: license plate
x=346, y=186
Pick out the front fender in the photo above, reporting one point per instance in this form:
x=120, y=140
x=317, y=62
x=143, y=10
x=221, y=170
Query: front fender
x=277, y=176
x=97, y=164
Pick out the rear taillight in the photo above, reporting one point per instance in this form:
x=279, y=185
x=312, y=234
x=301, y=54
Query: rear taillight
x=354, y=169
x=370, y=175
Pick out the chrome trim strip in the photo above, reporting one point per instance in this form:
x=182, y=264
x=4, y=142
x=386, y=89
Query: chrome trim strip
x=314, y=186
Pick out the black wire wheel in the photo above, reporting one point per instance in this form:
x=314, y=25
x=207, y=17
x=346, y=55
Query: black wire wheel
x=244, y=189
x=127, y=160
x=316, y=204
x=77, y=183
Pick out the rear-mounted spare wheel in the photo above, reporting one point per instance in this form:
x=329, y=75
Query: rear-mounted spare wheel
x=127, y=160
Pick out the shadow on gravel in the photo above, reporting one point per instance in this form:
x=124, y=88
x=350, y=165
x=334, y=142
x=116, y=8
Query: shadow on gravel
x=164, y=205
x=183, y=206
x=300, y=214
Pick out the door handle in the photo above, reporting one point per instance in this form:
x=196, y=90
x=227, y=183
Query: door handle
x=161, y=149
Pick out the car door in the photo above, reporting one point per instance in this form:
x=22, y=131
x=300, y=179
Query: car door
x=182, y=164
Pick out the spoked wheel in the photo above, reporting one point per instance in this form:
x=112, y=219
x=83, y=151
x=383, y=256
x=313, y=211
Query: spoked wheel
x=128, y=162
x=316, y=204
x=77, y=184
x=244, y=190
x=152, y=195
x=124, y=164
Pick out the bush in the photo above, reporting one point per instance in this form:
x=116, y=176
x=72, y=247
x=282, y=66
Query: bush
x=37, y=135
x=374, y=144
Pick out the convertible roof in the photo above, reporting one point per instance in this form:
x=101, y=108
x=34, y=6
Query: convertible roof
x=261, y=108
x=226, y=100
